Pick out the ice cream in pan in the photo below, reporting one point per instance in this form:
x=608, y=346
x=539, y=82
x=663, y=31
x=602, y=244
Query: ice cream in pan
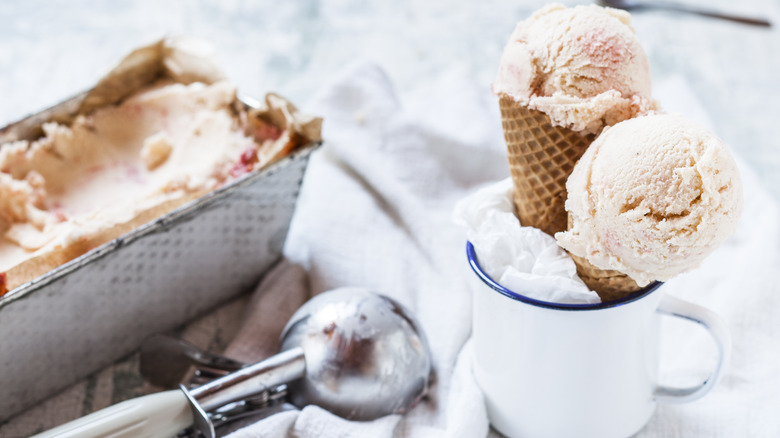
x=135, y=153
x=651, y=194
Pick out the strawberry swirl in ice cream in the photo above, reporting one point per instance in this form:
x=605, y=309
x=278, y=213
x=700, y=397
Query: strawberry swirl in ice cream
x=168, y=143
x=161, y=129
x=584, y=67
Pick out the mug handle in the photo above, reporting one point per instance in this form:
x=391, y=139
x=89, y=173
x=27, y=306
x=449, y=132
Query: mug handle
x=716, y=327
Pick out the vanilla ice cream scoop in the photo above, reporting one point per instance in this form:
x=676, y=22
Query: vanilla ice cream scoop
x=582, y=66
x=651, y=198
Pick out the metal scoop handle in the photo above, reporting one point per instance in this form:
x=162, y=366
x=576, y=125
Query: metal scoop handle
x=165, y=414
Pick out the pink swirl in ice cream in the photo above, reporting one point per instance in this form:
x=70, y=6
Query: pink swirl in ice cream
x=584, y=67
x=163, y=146
x=161, y=129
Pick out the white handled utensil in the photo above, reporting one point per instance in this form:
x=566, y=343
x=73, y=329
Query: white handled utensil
x=162, y=414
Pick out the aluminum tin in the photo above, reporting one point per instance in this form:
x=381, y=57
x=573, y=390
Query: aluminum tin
x=91, y=311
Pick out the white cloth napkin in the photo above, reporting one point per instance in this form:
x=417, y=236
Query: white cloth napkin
x=375, y=211
x=519, y=258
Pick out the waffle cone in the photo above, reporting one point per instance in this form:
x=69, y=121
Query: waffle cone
x=610, y=285
x=541, y=158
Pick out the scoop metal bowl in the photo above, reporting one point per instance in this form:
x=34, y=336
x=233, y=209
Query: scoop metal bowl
x=365, y=354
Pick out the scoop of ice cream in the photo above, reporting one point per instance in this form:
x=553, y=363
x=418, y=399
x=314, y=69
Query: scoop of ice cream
x=652, y=197
x=582, y=66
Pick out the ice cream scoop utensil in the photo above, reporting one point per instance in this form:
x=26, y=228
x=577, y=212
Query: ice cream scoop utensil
x=166, y=413
x=353, y=352
x=637, y=5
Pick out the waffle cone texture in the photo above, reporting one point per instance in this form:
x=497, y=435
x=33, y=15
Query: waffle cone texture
x=541, y=158
x=610, y=285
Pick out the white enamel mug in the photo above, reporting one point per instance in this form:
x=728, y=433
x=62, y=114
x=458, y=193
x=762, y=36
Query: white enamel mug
x=577, y=370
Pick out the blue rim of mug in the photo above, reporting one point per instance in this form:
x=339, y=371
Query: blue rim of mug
x=472, y=256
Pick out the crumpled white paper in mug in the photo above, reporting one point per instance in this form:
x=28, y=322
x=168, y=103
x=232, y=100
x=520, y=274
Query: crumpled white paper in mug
x=525, y=260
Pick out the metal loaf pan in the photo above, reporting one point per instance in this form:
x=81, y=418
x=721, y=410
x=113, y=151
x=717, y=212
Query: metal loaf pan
x=91, y=311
